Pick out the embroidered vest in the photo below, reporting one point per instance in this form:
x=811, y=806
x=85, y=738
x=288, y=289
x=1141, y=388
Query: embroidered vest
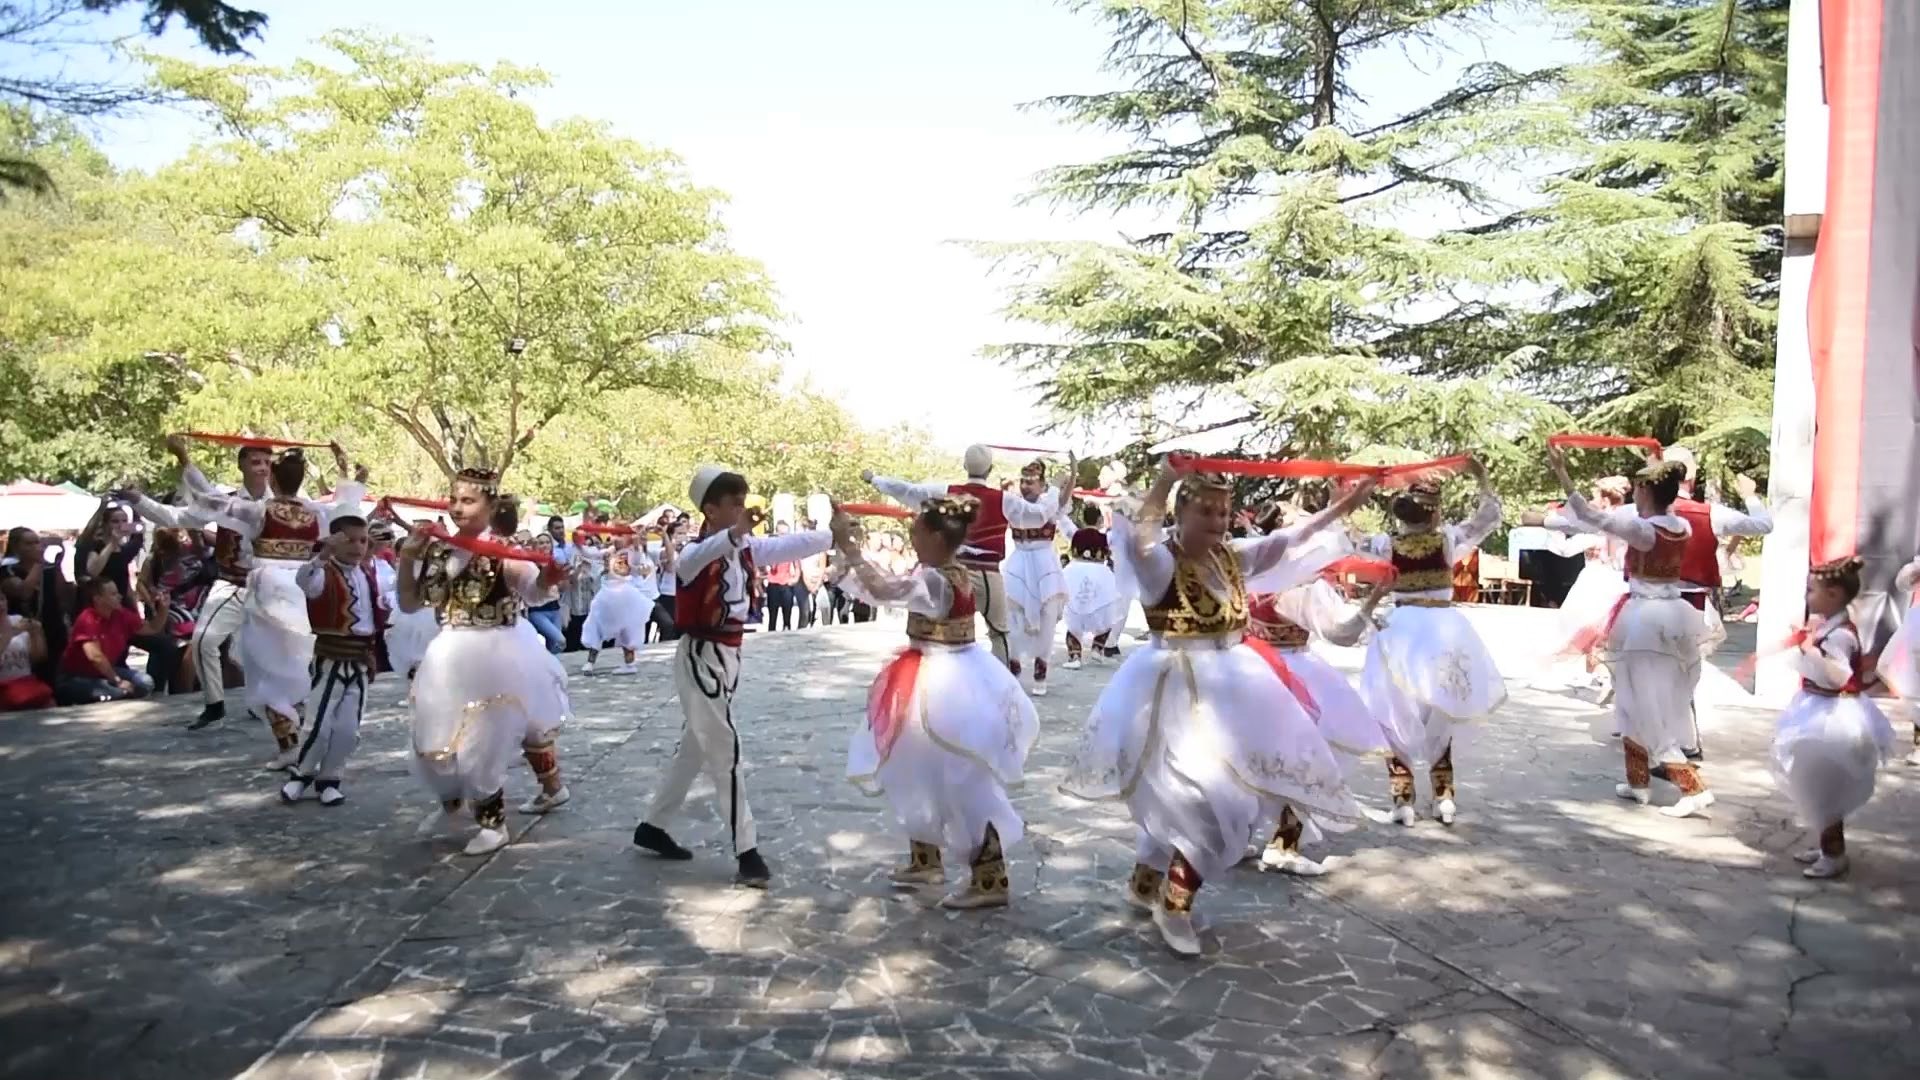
x=701, y=609
x=1189, y=609
x=288, y=531
x=1420, y=563
x=332, y=611
x=1267, y=624
x=957, y=627
x=1701, y=563
x=1863, y=669
x=477, y=596
x=988, y=533
x=1660, y=563
x=226, y=556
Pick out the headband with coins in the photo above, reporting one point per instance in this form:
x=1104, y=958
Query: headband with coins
x=485, y=479
x=1195, y=484
x=1838, y=571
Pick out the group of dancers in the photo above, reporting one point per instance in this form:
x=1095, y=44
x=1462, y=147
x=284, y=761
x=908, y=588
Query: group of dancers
x=1221, y=731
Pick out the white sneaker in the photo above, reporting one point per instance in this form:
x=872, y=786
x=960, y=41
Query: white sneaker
x=1039, y=689
x=1826, y=866
x=1807, y=857
x=1641, y=795
x=282, y=761
x=1914, y=758
x=1177, y=929
x=1689, y=806
x=1072, y=664
x=542, y=802
x=332, y=796
x=295, y=790
x=587, y=668
x=1290, y=862
x=487, y=840
x=437, y=821
x=626, y=669
x=1444, y=811
x=1402, y=815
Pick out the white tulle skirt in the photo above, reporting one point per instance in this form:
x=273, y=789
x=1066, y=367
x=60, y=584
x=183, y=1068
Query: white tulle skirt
x=1093, y=599
x=1654, y=654
x=963, y=731
x=1036, y=598
x=1588, y=604
x=619, y=614
x=1346, y=721
x=275, y=644
x=479, y=696
x=1826, y=751
x=1425, y=675
x=408, y=636
x=1201, y=740
x=1900, y=659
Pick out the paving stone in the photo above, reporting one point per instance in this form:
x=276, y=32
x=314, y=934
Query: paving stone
x=169, y=919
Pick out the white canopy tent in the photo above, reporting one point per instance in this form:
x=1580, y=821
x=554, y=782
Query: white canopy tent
x=44, y=508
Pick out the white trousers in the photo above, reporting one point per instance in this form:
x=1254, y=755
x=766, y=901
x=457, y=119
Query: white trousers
x=990, y=598
x=335, y=707
x=705, y=674
x=222, y=611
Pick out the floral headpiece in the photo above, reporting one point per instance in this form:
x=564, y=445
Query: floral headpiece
x=1195, y=484
x=485, y=479
x=1033, y=470
x=1424, y=493
x=1838, y=571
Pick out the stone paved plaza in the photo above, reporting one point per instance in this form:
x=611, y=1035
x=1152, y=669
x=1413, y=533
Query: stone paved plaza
x=164, y=916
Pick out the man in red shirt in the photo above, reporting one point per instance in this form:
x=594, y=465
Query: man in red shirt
x=94, y=665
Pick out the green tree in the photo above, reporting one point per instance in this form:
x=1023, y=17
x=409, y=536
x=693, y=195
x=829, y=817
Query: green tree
x=1281, y=194
x=1667, y=224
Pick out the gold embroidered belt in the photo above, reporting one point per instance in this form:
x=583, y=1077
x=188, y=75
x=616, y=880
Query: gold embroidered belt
x=350, y=647
x=939, y=631
x=1421, y=601
x=1030, y=535
x=290, y=550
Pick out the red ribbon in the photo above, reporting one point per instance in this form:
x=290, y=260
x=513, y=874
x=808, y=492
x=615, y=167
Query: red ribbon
x=885, y=510
x=1575, y=441
x=1395, y=475
x=1026, y=450
x=889, y=697
x=1298, y=468
x=1287, y=678
x=492, y=549
x=605, y=530
x=1585, y=638
x=1369, y=570
x=418, y=504
x=1093, y=493
x=244, y=440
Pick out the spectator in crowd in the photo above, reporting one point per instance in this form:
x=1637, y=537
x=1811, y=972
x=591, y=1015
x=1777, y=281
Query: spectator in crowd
x=782, y=580
x=35, y=589
x=812, y=588
x=673, y=537
x=107, y=550
x=586, y=565
x=94, y=666
x=546, y=617
x=171, y=586
x=22, y=646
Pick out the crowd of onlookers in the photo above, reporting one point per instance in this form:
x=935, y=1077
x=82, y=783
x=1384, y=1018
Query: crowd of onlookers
x=75, y=607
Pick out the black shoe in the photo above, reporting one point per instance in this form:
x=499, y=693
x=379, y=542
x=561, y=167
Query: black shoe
x=753, y=872
x=656, y=840
x=209, y=716
x=1695, y=754
x=1659, y=772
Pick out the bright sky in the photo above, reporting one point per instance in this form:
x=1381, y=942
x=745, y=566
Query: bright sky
x=857, y=139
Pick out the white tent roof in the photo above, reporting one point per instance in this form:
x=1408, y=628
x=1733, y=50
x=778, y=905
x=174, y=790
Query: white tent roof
x=44, y=508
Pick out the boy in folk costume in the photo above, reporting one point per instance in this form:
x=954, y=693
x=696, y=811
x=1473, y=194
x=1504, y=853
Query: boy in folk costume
x=1092, y=593
x=275, y=643
x=986, y=546
x=947, y=728
x=347, y=612
x=1036, y=587
x=621, y=609
x=223, y=608
x=1199, y=733
x=1832, y=738
x=710, y=610
x=1427, y=672
x=1653, y=640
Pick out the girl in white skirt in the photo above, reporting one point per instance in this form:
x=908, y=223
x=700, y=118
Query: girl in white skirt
x=1831, y=739
x=1197, y=733
x=947, y=728
x=1900, y=659
x=1093, y=596
x=1601, y=584
x=1289, y=606
x=1427, y=673
x=621, y=609
x=484, y=690
x=1653, y=642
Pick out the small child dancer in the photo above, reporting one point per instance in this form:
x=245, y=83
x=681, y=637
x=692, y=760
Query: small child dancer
x=621, y=609
x=947, y=728
x=1093, y=594
x=1832, y=738
x=347, y=612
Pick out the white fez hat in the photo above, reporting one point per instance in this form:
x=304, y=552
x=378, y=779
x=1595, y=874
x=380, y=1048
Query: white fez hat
x=703, y=478
x=979, y=460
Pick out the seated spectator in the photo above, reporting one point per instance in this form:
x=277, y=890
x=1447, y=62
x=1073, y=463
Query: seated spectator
x=172, y=584
x=31, y=579
x=94, y=667
x=22, y=646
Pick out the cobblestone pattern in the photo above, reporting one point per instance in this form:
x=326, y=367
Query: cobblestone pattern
x=165, y=917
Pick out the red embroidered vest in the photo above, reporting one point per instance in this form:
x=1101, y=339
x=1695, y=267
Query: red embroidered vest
x=1864, y=668
x=957, y=627
x=332, y=611
x=988, y=533
x=1660, y=563
x=1267, y=624
x=226, y=556
x=1420, y=563
x=288, y=532
x=1189, y=608
x=701, y=609
x=1701, y=563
